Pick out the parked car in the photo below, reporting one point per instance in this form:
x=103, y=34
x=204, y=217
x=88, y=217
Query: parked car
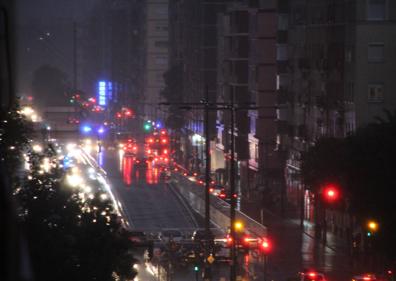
x=138, y=237
x=200, y=235
x=216, y=189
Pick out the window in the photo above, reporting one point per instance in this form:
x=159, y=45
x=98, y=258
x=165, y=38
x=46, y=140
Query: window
x=375, y=93
x=283, y=21
x=162, y=10
x=161, y=60
x=281, y=52
x=376, y=9
x=375, y=52
x=161, y=44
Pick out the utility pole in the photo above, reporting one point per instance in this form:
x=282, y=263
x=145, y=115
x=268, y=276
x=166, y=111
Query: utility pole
x=207, y=167
x=74, y=56
x=206, y=105
x=233, y=268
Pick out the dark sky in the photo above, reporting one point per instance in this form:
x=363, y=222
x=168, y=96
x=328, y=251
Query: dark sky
x=49, y=10
x=45, y=36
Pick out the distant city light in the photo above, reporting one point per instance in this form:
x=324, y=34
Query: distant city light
x=86, y=129
x=102, y=93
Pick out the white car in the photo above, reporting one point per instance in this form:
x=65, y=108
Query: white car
x=168, y=235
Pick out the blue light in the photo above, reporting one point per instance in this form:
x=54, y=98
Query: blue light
x=158, y=125
x=102, y=93
x=101, y=130
x=86, y=129
x=67, y=162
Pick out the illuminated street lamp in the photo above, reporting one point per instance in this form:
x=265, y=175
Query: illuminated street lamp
x=372, y=227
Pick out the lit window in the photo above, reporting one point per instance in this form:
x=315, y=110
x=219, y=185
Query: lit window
x=376, y=52
x=376, y=9
x=375, y=93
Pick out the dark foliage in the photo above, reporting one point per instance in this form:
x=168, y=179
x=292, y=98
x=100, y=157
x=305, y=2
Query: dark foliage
x=14, y=137
x=70, y=238
x=363, y=166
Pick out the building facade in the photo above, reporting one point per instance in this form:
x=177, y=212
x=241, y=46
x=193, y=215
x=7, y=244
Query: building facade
x=156, y=55
x=339, y=74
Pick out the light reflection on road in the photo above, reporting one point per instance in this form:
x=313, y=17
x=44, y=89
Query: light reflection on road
x=132, y=173
x=127, y=163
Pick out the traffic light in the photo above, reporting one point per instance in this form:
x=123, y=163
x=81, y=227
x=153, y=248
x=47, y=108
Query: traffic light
x=238, y=225
x=265, y=246
x=331, y=193
x=147, y=126
x=372, y=228
x=196, y=268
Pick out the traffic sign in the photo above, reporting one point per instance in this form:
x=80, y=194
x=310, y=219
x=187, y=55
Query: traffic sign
x=211, y=259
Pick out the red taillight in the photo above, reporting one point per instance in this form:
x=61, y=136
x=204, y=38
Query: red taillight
x=367, y=278
x=184, y=174
x=195, y=174
x=246, y=240
x=165, y=151
x=134, y=148
x=211, y=190
x=235, y=196
x=222, y=195
x=229, y=240
x=312, y=274
x=137, y=161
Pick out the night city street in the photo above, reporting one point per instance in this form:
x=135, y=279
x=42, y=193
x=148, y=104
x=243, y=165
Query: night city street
x=198, y=140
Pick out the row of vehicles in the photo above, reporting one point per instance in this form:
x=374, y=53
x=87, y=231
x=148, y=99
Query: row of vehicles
x=154, y=148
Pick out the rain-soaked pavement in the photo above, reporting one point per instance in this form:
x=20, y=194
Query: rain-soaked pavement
x=151, y=205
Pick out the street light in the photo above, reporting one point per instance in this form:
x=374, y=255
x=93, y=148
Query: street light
x=372, y=227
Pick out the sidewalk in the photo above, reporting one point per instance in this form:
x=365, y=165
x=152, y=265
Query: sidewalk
x=296, y=248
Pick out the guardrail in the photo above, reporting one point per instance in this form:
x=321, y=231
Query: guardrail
x=220, y=210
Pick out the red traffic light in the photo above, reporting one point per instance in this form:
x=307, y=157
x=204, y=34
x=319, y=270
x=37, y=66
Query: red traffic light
x=331, y=193
x=265, y=245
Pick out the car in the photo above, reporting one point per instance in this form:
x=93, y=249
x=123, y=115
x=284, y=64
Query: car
x=311, y=275
x=216, y=189
x=223, y=194
x=138, y=237
x=372, y=277
x=129, y=146
x=168, y=235
x=200, y=234
x=141, y=163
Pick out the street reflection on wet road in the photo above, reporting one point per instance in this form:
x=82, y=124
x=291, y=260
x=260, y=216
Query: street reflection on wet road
x=126, y=169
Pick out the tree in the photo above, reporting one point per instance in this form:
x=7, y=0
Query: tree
x=71, y=238
x=50, y=86
x=363, y=165
x=324, y=162
x=15, y=132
